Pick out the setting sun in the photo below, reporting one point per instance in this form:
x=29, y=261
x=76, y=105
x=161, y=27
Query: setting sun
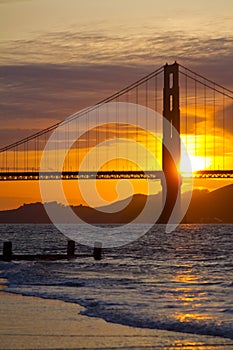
x=197, y=163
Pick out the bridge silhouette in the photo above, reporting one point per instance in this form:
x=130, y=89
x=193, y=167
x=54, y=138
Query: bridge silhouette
x=199, y=109
x=197, y=115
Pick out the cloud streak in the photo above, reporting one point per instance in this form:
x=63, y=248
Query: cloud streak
x=101, y=48
x=52, y=76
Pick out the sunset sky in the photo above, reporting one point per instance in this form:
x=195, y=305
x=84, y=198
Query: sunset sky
x=58, y=56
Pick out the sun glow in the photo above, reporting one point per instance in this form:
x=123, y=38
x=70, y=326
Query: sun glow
x=197, y=163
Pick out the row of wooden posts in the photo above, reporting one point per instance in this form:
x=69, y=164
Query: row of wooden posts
x=8, y=255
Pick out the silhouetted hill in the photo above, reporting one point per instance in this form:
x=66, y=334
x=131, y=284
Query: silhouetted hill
x=215, y=206
x=36, y=213
x=205, y=206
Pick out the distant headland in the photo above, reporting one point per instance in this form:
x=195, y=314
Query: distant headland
x=205, y=207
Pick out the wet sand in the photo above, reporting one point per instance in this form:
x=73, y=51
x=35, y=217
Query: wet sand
x=35, y=323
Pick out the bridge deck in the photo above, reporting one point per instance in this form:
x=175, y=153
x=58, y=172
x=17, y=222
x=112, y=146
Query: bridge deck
x=106, y=175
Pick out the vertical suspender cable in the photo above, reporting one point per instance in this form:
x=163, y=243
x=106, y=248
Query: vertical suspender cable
x=27, y=154
x=107, y=136
x=46, y=162
x=156, y=110
x=186, y=111
x=17, y=150
x=58, y=149
x=117, y=129
x=49, y=152
x=76, y=145
x=223, y=131
x=205, y=120
x=127, y=131
x=68, y=147
x=13, y=167
x=231, y=147
x=147, y=165
x=98, y=139
x=195, y=122
x=86, y=137
x=24, y=156
x=35, y=154
x=137, y=125
x=214, y=125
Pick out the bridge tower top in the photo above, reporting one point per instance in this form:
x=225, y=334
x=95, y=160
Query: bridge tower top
x=171, y=107
x=171, y=140
x=171, y=111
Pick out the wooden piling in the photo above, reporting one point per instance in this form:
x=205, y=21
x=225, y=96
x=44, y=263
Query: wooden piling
x=7, y=251
x=97, y=252
x=70, y=248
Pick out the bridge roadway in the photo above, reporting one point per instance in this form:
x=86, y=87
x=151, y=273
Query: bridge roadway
x=107, y=175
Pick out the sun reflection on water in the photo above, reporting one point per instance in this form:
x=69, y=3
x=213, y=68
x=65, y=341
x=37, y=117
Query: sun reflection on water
x=190, y=297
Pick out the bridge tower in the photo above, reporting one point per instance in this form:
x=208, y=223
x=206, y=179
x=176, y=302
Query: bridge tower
x=170, y=163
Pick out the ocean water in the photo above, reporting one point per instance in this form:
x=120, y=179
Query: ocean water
x=180, y=281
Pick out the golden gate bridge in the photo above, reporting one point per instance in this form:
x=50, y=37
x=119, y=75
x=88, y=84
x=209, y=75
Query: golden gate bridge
x=197, y=115
x=200, y=110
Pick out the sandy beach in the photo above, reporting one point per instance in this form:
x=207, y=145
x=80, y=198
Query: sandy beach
x=35, y=323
